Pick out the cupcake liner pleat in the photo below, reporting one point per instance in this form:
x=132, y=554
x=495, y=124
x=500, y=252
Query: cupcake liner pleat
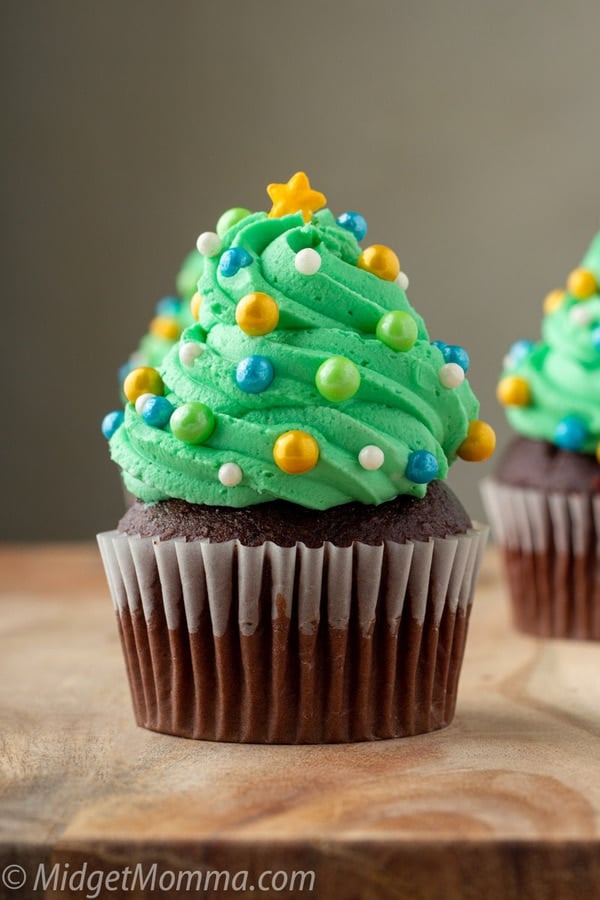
x=551, y=548
x=277, y=644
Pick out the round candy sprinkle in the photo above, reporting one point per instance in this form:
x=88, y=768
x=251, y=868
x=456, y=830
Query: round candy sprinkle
x=581, y=315
x=168, y=306
x=208, y=243
x=337, y=379
x=257, y=314
x=157, y=411
x=479, y=443
x=451, y=375
x=143, y=380
x=513, y=390
x=455, y=354
x=166, y=328
x=230, y=474
x=553, y=301
x=518, y=351
x=139, y=403
x=571, y=433
x=111, y=422
x=354, y=223
x=195, y=305
x=307, y=261
x=189, y=353
x=254, y=374
x=422, y=467
x=397, y=329
x=230, y=218
x=402, y=281
x=381, y=261
x=192, y=423
x=371, y=457
x=296, y=452
x=233, y=260
x=596, y=339
x=582, y=284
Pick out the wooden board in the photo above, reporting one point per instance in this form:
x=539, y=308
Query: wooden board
x=503, y=804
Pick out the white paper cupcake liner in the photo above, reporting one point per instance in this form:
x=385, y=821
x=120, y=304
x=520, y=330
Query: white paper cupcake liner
x=551, y=548
x=292, y=645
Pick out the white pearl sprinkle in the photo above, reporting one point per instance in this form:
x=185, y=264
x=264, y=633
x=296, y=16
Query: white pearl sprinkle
x=189, y=353
x=307, y=261
x=139, y=403
x=208, y=243
x=371, y=457
x=230, y=474
x=451, y=375
x=581, y=314
x=402, y=280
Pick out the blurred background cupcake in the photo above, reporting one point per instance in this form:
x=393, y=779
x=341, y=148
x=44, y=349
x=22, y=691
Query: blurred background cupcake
x=172, y=315
x=544, y=499
x=296, y=569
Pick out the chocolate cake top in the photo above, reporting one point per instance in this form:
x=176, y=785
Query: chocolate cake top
x=438, y=514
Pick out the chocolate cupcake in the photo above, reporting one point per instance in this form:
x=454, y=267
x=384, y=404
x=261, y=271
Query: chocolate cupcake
x=544, y=499
x=295, y=569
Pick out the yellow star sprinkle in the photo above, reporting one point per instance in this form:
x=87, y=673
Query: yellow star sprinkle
x=295, y=196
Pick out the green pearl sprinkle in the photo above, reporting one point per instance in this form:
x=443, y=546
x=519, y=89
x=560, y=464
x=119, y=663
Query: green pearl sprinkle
x=192, y=423
x=337, y=379
x=397, y=329
x=230, y=218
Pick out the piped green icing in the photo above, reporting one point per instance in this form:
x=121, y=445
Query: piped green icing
x=400, y=405
x=563, y=368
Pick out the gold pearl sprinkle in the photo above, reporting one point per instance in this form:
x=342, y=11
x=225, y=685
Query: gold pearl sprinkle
x=553, y=301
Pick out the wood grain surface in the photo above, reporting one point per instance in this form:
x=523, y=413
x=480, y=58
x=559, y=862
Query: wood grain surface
x=503, y=804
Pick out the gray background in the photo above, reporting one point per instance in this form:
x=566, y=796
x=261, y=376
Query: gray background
x=467, y=133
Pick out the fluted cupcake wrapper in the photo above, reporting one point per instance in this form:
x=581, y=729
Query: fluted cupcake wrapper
x=551, y=548
x=273, y=644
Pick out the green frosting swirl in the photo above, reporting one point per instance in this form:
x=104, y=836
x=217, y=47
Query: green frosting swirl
x=400, y=406
x=562, y=371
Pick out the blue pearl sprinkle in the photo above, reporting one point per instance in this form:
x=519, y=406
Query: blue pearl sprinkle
x=422, y=467
x=157, y=411
x=439, y=344
x=596, y=339
x=111, y=422
x=233, y=260
x=168, y=306
x=254, y=374
x=571, y=433
x=519, y=350
x=353, y=222
x=455, y=354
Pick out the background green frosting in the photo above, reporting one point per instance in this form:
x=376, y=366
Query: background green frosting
x=153, y=348
x=563, y=369
x=401, y=406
